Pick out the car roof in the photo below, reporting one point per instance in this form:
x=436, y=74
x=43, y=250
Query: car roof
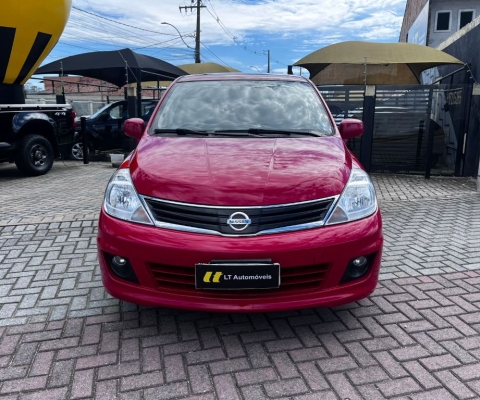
x=229, y=76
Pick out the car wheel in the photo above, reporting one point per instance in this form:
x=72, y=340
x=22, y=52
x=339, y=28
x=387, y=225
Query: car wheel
x=35, y=155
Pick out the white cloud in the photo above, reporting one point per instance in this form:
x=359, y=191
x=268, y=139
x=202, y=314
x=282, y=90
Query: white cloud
x=287, y=27
x=242, y=19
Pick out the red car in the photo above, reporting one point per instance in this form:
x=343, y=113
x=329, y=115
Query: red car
x=240, y=196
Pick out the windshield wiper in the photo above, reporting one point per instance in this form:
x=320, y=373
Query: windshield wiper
x=236, y=132
x=260, y=131
x=182, y=131
x=255, y=132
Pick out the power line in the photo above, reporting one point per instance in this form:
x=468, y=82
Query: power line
x=217, y=18
x=122, y=23
x=218, y=58
x=128, y=35
x=123, y=58
x=113, y=34
x=157, y=43
x=234, y=38
x=85, y=30
x=140, y=40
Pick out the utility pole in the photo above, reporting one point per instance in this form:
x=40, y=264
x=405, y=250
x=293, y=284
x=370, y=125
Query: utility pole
x=198, y=6
x=268, y=60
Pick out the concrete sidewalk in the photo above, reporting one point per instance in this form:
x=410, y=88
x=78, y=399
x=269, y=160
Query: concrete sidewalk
x=63, y=337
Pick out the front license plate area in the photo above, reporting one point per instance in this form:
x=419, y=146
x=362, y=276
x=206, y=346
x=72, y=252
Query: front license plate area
x=237, y=274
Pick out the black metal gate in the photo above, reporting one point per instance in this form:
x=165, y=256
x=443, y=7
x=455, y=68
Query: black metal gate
x=415, y=129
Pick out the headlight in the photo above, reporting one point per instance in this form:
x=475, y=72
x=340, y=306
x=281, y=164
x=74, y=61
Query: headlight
x=357, y=201
x=122, y=201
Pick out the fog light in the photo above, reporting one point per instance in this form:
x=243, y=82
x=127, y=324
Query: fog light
x=119, y=261
x=122, y=268
x=357, y=268
x=360, y=262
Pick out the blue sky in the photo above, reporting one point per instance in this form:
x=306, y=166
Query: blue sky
x=237, y=33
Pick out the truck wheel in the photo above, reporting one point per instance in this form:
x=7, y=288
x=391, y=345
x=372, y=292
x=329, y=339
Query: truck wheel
x=35, y=155
x=76, y=152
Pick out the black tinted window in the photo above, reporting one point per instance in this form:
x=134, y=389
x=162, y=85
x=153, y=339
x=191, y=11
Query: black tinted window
x=147, y=108
x=465, y=18
x=236, y=105
x=116, y=112
x=443, y=21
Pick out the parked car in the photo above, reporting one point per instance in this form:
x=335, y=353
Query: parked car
x=34, y=135
x=241, y=195
x=105, y=128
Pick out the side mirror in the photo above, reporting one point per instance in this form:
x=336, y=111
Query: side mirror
x=134, y=127
x=350, y=128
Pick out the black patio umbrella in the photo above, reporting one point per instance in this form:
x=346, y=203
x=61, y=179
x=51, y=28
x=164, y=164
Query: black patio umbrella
x=118, y=67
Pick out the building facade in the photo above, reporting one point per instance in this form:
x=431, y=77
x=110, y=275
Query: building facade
x=431, y=22
x=452, y=26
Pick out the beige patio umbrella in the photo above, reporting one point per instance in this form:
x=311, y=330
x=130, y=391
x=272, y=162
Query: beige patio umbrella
x=195, y=68
x=206, y=68
x=358, y=63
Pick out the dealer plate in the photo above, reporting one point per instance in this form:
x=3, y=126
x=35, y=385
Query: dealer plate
x=241, y=274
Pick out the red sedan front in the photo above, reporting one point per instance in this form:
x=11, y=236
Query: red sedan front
x=240, y=196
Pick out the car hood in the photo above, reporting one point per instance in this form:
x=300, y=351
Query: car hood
x=240, y=171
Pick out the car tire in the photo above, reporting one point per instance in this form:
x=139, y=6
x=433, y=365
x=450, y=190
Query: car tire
x=35, y=155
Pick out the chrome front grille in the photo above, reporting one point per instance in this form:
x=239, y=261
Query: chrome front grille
x=213, y=219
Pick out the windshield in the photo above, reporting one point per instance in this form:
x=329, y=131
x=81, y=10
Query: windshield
x=242, y=105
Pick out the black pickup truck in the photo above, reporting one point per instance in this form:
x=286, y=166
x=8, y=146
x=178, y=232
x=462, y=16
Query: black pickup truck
x=105, y=128
x=33, y=135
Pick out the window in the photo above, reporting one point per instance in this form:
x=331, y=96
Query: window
x=465, y=17
x=147, y=108
x=116, y=112
x=443, y=21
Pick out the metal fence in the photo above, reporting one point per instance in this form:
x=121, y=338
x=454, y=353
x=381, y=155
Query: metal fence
x=415, y=129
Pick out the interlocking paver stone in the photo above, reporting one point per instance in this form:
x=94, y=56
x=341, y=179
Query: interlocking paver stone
x=399, y=387
x=62, y=336
x=343, y=387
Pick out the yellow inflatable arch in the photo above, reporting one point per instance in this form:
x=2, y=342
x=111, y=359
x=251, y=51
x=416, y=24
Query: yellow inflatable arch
x=29, y=29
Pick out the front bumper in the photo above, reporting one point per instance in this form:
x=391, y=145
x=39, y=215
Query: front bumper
x=328, y=249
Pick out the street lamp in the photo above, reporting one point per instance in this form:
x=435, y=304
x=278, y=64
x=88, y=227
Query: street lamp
x=253, y=66
x=179, y=34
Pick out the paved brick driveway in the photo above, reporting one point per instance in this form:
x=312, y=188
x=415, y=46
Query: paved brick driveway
x=63, y=337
